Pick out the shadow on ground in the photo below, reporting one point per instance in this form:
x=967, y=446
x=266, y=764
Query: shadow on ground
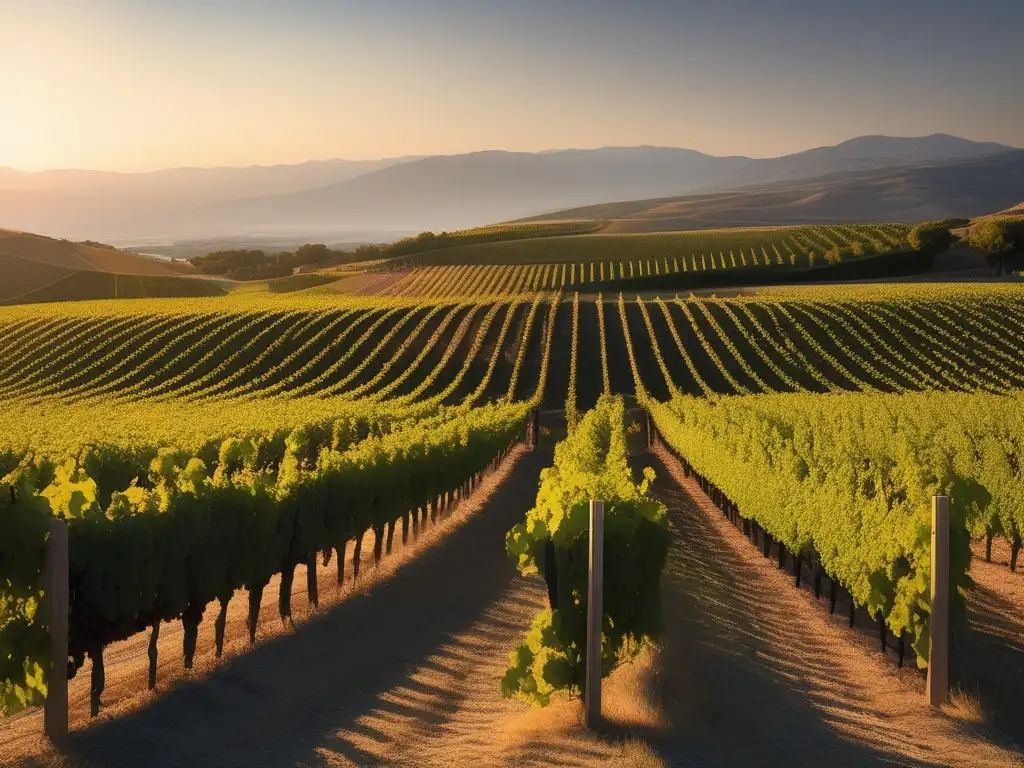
x=987, y=659
x=298, y=700
x=745, y=681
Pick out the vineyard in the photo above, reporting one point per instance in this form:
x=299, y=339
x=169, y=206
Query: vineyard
x=324, y=354
x=428, y=241
x=687, y=259
x=201, y=446
x=849, y=482
x=693, y=251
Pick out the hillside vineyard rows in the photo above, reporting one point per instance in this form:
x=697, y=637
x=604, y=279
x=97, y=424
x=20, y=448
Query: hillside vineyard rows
x=198, y=446
x=582, y=262
x=315, y=351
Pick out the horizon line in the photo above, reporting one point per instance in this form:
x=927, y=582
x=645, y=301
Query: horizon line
x=413, y=156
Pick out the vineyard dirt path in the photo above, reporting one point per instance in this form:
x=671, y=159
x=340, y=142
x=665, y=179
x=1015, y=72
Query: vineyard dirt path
x=754, y=672
x=989, y=658
x=751, y=672
x=125, y=698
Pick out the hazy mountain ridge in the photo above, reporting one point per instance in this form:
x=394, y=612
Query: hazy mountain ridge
x=448, y=192
x=434, y=192
x=81, y=203
x=863, y=153
x=970, y=187
x=227, y=181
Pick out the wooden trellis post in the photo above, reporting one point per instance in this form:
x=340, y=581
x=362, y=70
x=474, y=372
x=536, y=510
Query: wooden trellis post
x=938, y=636
x=595, y=611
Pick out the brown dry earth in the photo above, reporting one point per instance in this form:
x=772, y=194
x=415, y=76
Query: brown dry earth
x=321, y=650
x=404, y=671
x=988, y=655
x=371, y=283
x=756, y=672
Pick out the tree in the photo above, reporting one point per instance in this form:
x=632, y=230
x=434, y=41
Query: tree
x=312, y=252
x=859, y=249
x=998, y=239
x=224, y=262
x=934, y=236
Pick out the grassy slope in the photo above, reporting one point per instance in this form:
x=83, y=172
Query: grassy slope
x=85, y=285
x=122, y=263
x=289, y=284
x=64, y=253
x=20, y=276
x=38, y=269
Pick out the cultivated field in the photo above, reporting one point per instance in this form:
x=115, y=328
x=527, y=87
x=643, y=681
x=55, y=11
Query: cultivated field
x=316, y=484
x=707, y=249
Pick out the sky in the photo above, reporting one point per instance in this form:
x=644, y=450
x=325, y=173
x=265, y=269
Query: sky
x=135, y=85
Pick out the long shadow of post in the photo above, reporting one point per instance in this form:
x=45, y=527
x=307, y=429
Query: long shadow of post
x=987, y=658
x=732, y=697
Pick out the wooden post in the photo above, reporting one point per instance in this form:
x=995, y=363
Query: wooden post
x=595, y=611
x=938, y=635
x=55, y=586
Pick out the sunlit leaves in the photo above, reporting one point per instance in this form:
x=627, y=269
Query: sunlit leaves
x=851, y=478
x=591, y=463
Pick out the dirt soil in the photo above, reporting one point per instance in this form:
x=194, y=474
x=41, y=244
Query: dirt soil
x=403, y=671
x=756, y=672
x=371, y=283
x=988, y=656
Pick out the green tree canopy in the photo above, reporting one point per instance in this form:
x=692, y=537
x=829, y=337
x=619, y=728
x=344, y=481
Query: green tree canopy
x=998, y=239
x=934, y=236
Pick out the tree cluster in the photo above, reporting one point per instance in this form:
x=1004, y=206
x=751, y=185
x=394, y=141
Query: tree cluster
x=934, y=236
x=245, y=264
x=1000, y=240
x=96, y=244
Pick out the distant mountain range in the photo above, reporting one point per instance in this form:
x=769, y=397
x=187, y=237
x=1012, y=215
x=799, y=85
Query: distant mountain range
x=908, y=193
x=81, y=203
x=863, y=153
x=448, y=192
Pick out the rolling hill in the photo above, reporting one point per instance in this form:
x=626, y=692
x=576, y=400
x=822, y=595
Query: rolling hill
x=34, y=268
x=862, y=153
x=912, y=193
x=85, y=203
x=350, y=198
x=468, y=190
x=451, y=192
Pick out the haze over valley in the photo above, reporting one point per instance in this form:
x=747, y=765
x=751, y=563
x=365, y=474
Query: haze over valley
x=872, y=178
